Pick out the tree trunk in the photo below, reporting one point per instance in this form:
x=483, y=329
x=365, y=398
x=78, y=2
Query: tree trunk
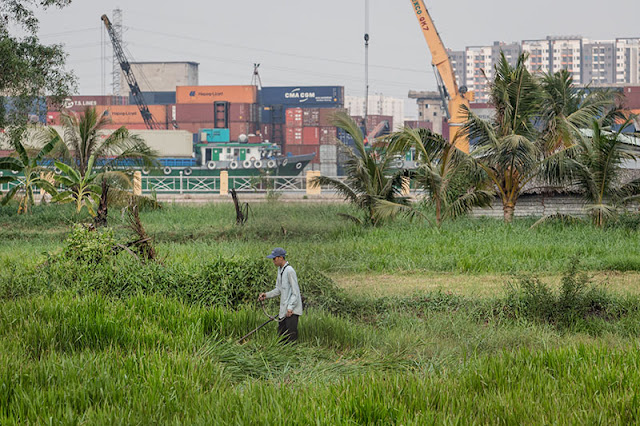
x=508, y=208
x=101, y=213
x=240, y=217
x=438, y=212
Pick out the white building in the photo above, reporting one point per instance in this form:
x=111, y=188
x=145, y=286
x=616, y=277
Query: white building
x=378, y=105
x=479, y=71
x=539, y=59
x=566, y=54
x=628, y=60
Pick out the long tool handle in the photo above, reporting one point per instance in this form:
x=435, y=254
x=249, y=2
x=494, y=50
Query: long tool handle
x=257, y=328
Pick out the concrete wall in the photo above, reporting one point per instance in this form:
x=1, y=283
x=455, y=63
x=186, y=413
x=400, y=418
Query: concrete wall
x=537, y=205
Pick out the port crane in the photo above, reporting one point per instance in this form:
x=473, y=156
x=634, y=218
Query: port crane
x=454, y=97
x=151, y=123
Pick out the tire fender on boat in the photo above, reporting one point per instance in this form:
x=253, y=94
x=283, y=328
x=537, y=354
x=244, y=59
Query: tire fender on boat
x=211, y=165
x=188, y=171
x=233, y=165
x=257, y=164
x=246, y=164
x=145, y=171
x=298, y=166
x=271, y=164
x=285, y=161
x=166, y=170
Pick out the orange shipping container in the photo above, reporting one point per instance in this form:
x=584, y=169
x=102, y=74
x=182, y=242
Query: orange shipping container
x=130, y=114
x=207, y=94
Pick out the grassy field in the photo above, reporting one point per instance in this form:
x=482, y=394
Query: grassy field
x=425, y=330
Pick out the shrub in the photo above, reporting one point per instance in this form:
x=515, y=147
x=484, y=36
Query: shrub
x=88, y=245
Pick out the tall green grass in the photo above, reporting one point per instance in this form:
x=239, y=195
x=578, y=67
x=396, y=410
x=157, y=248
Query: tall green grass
x=315, y=236
x=149, y=359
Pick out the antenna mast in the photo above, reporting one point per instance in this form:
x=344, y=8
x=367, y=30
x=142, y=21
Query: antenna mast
x=366, y=63
x=255, y=80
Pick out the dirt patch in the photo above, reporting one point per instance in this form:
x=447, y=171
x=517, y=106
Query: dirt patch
x=482, y=285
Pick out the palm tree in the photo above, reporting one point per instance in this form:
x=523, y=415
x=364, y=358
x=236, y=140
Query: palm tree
x=596, y=168
x=28, y=165
x=565, y=109
x=81, y=190
x=371, y=183
x=453, y=180
x=84, y=138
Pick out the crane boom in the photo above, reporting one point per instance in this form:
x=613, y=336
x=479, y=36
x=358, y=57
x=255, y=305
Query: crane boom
x=454, y=97
x=131, y=79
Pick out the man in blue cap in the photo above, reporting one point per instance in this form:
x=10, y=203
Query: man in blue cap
x=289, y=291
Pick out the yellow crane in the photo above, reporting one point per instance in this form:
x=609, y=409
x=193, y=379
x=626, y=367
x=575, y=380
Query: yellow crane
x=453, y=96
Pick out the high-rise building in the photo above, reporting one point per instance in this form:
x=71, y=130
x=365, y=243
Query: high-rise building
x=378, y=105
x=628, y=60
x=598, y=62
x=595, y=62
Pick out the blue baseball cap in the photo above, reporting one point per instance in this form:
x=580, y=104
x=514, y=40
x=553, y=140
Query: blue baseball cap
x=277, y=252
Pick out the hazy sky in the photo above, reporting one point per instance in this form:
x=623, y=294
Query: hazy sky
x=302, y=42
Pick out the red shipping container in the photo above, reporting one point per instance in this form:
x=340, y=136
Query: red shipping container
x=266, y=131
x=293, y=136
x=195, y=127
x=237, y=129
x=311, y=117
x=79, y=103
x=243, y=112
x=193, y=113
x=328, y=135
x=255, y=139
x=417, y=124
x=632, y=97
x=311, y=135
x=294, y=117
x=326, y=116
x=53, y=118
x=302, y=150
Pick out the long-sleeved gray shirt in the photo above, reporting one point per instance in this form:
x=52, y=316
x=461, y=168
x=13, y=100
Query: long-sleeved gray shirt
x=288, y=290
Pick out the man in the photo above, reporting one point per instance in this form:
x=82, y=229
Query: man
x=289, y=291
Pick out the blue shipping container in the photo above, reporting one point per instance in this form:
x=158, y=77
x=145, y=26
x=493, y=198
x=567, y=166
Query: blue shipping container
x=303, y=96
x=35, y=110
x=156, y=98
x=272, y=114
x=215, y=135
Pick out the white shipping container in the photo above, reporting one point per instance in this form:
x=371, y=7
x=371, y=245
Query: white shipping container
x=328, y=153
x=328, y=169
x=167, y=143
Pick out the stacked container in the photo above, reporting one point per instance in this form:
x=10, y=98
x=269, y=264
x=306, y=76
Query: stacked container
x=130, y=116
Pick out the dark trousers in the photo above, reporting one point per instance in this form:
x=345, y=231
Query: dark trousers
x=288, y=328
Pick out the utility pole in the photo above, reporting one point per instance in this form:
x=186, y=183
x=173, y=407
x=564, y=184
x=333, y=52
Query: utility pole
x=366, y=63
x=115, y=66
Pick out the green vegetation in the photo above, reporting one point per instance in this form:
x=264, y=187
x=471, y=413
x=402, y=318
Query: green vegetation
x=89, y=334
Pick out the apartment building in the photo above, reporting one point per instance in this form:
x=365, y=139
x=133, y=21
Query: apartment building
x=378, y=105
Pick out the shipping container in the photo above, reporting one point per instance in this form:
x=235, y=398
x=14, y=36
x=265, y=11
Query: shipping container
x=242, y=112
x=255, y=139
x=328, y=154
x=137, y=126
x=130, y=114
x=215, y=135
x=194, y=112
x=632, y=97
x=237, y=129
x=311, y=135
x=155, y=98
x=418, y=124
x=327, y=135
x=80, y=103
x=35, y=110
x=301, y=150
x=195, y=127
x=328, y=169
x=303, y=96
x=293, y=136
x=311, y=117
x=327, y=116
x=272, y=114
x=294, y=117
x=345, y=137
x=208, y=94
x=53, y=118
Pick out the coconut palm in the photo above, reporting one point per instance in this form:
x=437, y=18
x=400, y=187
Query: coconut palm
x=372, y=184
x=566, y=109
x=33, y=175
x=84, y=138
x=79, y=189
x=596, y=168
x=451, y=177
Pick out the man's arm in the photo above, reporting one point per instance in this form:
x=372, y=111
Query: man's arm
x=273, y=293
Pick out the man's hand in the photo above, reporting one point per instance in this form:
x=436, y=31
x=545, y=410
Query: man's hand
x=262, y=296
x=289, y=313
